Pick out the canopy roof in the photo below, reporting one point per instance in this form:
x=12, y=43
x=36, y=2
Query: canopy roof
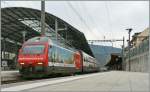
x=16, y=20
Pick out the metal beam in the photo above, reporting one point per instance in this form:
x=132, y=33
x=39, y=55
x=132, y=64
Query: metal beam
x=16, y=13
x=33, y=14
x=114, y=40
x=23, y=13
x=11, y=30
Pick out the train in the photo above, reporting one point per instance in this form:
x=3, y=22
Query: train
x=41, y=56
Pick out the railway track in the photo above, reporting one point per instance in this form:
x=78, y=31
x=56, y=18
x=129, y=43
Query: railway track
x=21, y=79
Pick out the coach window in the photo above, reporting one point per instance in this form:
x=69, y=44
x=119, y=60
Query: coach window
x=55, y=55
x=59, y=54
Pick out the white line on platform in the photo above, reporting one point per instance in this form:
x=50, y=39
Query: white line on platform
x=40, y=84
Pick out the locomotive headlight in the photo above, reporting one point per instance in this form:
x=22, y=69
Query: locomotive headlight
x=22, y=63
x=40, y=63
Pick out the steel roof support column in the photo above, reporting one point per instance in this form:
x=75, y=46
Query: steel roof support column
x=4, y=45
x=56, y=32
x=1, y=56
x=66, y=33
x=16, y=54
x=149, y=57
x=43, y=17
x=4, y=56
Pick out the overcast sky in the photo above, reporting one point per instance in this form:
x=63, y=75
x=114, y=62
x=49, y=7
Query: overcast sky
x=96, y=19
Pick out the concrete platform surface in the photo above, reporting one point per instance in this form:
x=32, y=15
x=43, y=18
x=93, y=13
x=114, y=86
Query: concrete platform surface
x=9, y=75
x=113, y=81
x=9, y=72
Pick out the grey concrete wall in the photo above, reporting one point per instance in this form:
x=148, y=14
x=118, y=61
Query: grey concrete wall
x=139, y=63
x=139, y=57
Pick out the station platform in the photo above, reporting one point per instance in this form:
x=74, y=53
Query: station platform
x=9, y=75
x=111, y=81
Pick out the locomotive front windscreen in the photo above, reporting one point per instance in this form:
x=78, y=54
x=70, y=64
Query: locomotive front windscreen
x=33, y=49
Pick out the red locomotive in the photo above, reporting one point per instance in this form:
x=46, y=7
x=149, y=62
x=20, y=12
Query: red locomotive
x=43, y=56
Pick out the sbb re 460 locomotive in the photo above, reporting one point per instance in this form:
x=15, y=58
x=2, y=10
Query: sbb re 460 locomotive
x=43, y=56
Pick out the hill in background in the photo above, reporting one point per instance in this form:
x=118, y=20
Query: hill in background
x=102, y=53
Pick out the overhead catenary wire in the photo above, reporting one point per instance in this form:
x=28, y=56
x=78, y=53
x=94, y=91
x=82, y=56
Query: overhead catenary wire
x=108, y=16
x=109, y=20
x=95, y=23
x=81, y=19
x=91, y=18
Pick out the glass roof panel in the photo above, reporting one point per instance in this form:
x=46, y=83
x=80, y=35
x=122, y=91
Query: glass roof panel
x=36, y=25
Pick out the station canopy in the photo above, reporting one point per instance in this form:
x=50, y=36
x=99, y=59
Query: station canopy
x=16, y=21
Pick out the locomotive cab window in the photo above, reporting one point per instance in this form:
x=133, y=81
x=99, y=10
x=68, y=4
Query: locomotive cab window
x=33, y=49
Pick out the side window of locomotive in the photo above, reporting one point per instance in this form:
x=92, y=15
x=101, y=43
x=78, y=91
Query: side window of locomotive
x=50, y=54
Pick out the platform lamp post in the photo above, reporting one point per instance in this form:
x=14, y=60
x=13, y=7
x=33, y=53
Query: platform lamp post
x=123, y=60
x=66, y=29
x=129, y=45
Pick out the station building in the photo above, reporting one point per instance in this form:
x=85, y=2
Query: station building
x=19, y=24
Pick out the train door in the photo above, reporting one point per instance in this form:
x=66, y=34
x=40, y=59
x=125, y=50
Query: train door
x=78, y=60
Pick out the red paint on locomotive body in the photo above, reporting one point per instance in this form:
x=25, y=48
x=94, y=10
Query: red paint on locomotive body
x=33, y=59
